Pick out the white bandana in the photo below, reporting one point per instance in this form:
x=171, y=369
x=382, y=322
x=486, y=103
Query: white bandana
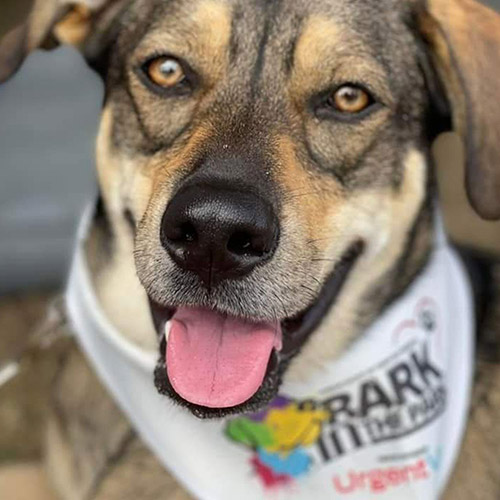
x=385, y=420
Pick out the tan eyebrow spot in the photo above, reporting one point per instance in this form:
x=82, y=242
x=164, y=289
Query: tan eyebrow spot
x=213, y=20
x=319, y=38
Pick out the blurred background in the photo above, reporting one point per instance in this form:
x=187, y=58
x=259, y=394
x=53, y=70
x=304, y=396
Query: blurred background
x=48, y=120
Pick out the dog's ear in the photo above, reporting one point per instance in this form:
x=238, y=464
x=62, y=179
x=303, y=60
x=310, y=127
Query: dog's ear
x=49, y=24
x=463, y=38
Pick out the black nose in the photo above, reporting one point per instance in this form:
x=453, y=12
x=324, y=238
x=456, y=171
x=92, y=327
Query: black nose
x=219, y=233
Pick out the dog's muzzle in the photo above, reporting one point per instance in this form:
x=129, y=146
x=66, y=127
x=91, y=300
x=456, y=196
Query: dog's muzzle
x=211, y=361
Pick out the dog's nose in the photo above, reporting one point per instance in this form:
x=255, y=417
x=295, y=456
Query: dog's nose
x=219, y=233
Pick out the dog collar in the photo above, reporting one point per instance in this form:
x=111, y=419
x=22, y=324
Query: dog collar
x=386, y=418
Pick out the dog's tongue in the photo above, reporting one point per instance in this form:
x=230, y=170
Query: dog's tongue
x=218, y=361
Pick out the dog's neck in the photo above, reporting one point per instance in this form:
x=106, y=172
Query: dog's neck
x=109, y=252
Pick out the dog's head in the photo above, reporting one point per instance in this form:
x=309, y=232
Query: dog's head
x=270, y=160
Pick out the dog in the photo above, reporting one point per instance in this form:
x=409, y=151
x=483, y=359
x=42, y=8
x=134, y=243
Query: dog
x=268, y=162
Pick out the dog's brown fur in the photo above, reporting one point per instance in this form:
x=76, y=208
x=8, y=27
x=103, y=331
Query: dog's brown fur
x=261, y=65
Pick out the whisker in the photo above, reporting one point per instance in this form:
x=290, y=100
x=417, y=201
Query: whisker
x=314, y=292
x=310, y=242
x=301, y=195
x=280, y=300
x=316, y=280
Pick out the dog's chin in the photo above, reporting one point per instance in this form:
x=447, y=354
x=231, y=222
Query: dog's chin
x=282, y=340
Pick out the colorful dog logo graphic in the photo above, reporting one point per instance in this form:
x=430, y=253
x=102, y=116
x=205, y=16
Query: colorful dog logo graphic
x=278, y=436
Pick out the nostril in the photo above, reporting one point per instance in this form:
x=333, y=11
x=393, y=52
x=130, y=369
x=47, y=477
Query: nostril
x=244, y=244
x=218, y=233
x=182, y=233
x=188, y=232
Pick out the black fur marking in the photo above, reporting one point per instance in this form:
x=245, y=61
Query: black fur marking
x=320, y=166
x=98, y=49
x=423, y=216
x=301, y=327
x=102, y=224
x=290, y=57
x=153, y=145
x=438, y=112
x=144, y=130
x=271, y=10
x=129, y=217
x=260, y=57
x=233, y=41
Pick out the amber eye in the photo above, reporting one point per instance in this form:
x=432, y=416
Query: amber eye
x=350, y=99
x=165, y=72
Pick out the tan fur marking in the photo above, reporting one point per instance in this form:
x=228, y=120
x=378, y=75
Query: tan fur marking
x=319, y=37
x=382, y=218
x=213, y=19
x=307, y=196
x=75, y=26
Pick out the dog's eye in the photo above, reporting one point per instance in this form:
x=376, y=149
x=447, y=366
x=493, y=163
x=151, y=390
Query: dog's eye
x=350, y=99
x=166, y=72
x=349, y=102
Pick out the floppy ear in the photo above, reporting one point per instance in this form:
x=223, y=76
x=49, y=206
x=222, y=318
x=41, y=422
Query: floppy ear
x=50, y=23
x=463, y=37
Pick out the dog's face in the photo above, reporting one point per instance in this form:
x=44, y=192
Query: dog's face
x=250, y=135
x=269, y=159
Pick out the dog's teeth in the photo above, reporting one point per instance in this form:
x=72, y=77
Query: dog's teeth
x=168, y=325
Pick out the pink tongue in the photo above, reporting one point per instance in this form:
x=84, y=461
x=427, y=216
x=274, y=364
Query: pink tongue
x=218, y=361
